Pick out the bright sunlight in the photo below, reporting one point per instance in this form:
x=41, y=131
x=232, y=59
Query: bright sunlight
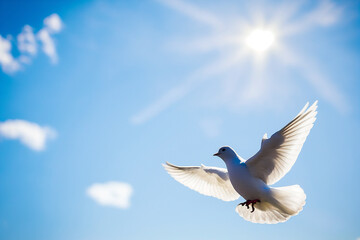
x=260, y=40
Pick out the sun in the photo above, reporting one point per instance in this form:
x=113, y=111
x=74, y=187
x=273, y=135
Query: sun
x=260, y=40
x=247, y=41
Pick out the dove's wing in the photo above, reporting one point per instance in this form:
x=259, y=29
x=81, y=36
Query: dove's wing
x=278, y=154
x=210, y=181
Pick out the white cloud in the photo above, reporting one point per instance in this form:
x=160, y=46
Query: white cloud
x=116, y=194
x=48, y=45
x=53, y=23
x=30, y=134
x=7, y=61
x=26, y=41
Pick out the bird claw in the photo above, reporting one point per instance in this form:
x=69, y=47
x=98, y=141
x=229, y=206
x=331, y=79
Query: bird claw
x=248, y=202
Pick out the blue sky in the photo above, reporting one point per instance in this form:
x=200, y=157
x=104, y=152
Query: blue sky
x=130, y=85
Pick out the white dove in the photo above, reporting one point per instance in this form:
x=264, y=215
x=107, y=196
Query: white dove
x=251, y=178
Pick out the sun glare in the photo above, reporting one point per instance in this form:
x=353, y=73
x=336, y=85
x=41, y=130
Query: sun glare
x=260, y=40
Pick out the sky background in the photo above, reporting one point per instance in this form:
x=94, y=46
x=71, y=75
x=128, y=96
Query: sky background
x=96, y=95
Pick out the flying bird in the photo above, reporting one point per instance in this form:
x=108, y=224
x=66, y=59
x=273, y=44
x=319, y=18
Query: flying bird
x=252, y=178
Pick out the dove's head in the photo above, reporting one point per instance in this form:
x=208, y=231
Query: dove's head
x=226, y=153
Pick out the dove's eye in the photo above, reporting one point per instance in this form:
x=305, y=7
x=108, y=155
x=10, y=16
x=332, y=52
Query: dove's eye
x=223, y=149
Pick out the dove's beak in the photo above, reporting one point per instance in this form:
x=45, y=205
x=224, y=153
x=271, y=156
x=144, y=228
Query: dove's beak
x=216, y=154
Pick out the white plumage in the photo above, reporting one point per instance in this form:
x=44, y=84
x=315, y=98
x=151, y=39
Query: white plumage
x=251, y=179
x=210, y=181
x=279, y=153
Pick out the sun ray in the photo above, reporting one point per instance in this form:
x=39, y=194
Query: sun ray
x=257, y=38
x=193, y=12
x=316, y=78
x=194, y=80
x=324, y=15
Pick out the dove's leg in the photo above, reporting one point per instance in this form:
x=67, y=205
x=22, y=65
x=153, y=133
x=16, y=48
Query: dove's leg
x=252, y=204
x=248, y=202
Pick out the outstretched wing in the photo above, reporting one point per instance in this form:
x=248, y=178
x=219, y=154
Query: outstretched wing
x=210, y=181
x=278, y=154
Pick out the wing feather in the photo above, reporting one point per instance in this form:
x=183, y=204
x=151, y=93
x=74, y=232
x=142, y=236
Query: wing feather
x=210, y=181
x=278, y=153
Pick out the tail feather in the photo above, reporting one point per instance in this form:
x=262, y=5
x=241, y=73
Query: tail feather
x=291, y=199
x=286, y=202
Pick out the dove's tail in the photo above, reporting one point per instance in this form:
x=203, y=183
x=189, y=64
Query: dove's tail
x=285, y=202
x=290, y=199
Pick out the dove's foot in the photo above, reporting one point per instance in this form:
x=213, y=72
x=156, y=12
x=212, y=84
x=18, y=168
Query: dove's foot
x=248, y=202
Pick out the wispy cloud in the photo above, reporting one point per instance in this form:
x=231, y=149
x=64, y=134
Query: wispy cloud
x=7, y=61
x=53, y=25
x=28, y=133
x=116, y=194
x=26, y=41
x=48, y=45
x=27, y=44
